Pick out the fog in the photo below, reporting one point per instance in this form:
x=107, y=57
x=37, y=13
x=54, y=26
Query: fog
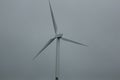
x=26, y=25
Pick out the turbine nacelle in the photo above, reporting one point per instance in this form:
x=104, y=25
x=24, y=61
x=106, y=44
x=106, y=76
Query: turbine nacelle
x=58, y=35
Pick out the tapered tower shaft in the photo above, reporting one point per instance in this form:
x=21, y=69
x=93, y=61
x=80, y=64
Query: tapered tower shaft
x=57, y=66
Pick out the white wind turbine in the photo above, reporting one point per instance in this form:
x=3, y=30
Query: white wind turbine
x=58, y=37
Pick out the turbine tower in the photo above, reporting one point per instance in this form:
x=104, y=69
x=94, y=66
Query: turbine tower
x=58, y=37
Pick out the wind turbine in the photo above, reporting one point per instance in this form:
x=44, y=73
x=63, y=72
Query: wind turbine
x=57, y=37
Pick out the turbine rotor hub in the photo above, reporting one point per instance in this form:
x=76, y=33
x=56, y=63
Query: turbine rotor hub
x=58, y=35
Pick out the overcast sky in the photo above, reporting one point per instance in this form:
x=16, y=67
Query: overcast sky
x=26, y=25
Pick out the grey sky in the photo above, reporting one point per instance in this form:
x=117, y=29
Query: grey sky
x=26, y=25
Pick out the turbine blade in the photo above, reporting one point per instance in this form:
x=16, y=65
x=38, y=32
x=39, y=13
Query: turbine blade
x=46, y=45
x=68, y=40
x=53, y=19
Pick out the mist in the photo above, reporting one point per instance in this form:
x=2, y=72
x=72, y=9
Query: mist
x=26, y=25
